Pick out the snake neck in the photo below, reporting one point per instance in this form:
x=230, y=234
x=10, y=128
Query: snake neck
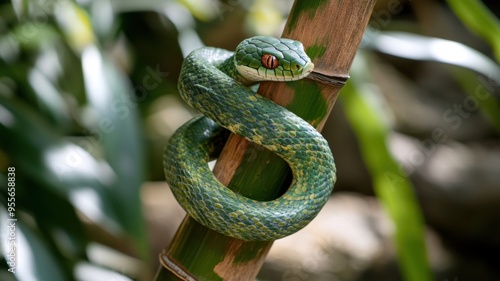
x=228, y=66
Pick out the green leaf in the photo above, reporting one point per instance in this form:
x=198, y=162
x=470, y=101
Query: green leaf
x=32, y=258
x=75, y=25
x=112, y=117
x=49, y=99
x=113, y=111
x=418, y=47
x=480, y=20
x=91, y=272
x=30, y=36
x=41, y=155
x=57, y=219
x=481, y=90
x=392, y=187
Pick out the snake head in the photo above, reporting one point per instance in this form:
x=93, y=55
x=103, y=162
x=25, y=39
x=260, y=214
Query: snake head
x=264, y=58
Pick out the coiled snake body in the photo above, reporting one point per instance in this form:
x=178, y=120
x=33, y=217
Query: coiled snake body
x=213, y=81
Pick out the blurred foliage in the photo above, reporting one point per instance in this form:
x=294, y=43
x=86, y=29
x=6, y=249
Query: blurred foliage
x=83, y=85
x=392, y=187
x=478, y=18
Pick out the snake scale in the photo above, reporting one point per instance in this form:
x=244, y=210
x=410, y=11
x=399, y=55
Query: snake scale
x=215, y=82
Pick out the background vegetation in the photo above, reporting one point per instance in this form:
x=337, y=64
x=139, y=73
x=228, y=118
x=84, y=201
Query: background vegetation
x=88, y=98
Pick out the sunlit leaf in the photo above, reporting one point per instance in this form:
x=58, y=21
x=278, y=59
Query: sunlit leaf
x=32, y=259
x=205, y=10
x=264, y=17
x=478, y=18
x=58, y=220
x=103, y=19
x=31, y=36
x=20, y=7
x=45, y=158
x=391, y=186
x=49, y=99
x=91, y=272
x=36, y=86
x=75, y=24
x=116, y=123
x=418, y=47
x=481, y=90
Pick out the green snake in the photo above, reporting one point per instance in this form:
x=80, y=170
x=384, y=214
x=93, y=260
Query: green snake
x=215, y=82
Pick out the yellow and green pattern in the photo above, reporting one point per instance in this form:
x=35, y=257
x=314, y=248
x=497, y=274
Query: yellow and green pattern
x=214, y=81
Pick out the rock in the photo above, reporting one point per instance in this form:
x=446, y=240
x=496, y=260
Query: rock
x=458, y=186
x=349, y=240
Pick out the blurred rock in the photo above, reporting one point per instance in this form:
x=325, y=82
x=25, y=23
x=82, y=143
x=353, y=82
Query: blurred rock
x=459, y=189
x=433, y=101
x=458, y=186
x=348, y=235
x=349, y=240
x=451, y=153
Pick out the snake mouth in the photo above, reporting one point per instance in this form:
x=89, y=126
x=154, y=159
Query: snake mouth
x=300, y=73
x=263, y=74
x=306, y=70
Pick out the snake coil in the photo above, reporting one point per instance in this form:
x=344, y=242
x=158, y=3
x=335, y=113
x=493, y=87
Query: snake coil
x=214, y=81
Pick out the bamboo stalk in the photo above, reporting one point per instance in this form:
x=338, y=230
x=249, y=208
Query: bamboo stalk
x=331, y=32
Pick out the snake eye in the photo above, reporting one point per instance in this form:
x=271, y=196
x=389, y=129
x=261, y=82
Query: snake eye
x=269, y=61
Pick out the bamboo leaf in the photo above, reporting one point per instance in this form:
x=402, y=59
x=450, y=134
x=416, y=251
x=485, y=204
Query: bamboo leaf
x=113, y=119
x=33, y=259
x=55, y=164
x=418, y=47
x=482, y=91
x=75, y=24
x=115, y=122
x=49, y=99
x=58, y=220
x=480, y=20
x=393, y=188
x=90, y=272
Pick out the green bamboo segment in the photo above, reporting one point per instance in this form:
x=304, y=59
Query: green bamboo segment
x=198, y=253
